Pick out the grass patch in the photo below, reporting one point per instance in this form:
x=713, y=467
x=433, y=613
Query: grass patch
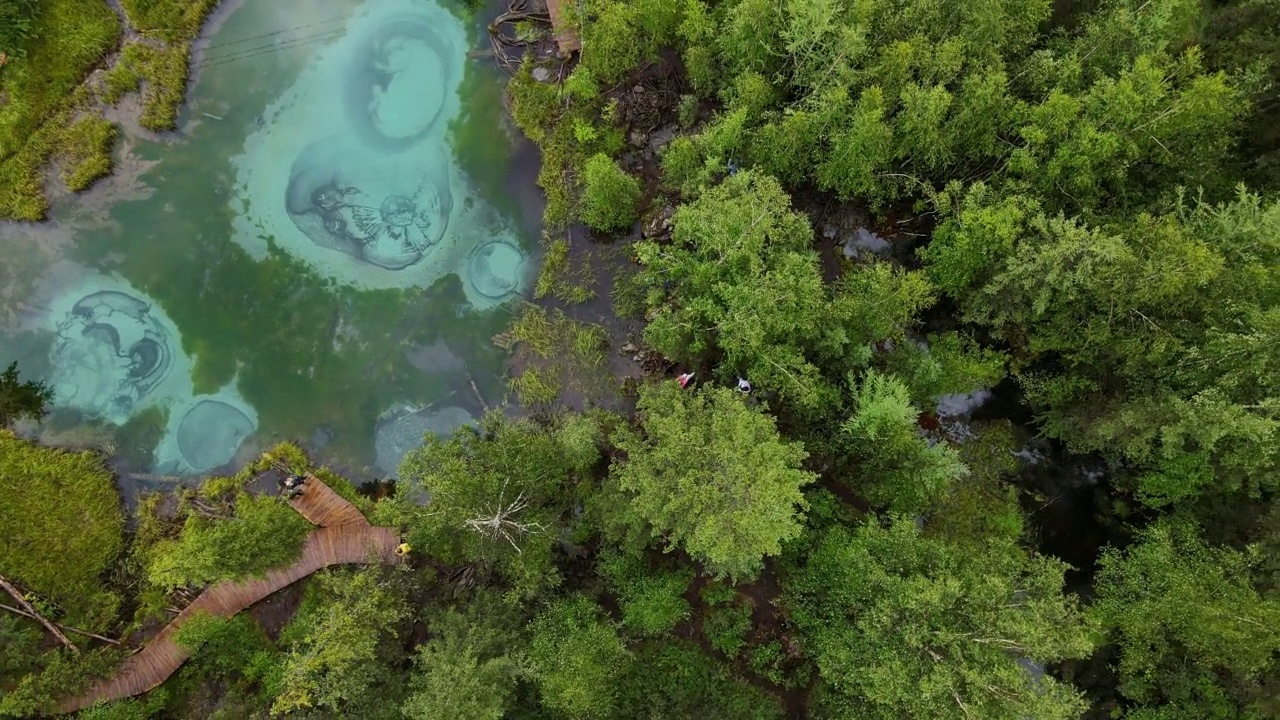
x=173, y=21
x=561, y=278
x=557, y=354
x=44, y=92
x=69, y=39
x=44, y=116
x=85, y=151
x=120, y=80
x=162, y=71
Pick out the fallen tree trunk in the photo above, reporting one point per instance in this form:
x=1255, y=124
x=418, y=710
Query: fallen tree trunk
x=37, y=616
x=68, y=628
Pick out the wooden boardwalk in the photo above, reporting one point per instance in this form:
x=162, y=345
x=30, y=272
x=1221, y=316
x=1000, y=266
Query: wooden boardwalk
x=344, y=537
x=321, y=506
x=566, y=39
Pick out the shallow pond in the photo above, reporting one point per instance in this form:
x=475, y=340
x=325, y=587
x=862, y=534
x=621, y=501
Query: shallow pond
x=323, y=252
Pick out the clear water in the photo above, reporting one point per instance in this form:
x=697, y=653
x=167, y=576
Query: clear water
x=322, y=253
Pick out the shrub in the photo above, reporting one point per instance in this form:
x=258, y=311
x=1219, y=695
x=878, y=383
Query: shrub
x=265, y=533
x=726, y=628
x=610, y=195
x=652, y=602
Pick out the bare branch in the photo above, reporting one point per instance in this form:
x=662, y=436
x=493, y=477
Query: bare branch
x=37, y=616
x=68, y=628
x=500, y=524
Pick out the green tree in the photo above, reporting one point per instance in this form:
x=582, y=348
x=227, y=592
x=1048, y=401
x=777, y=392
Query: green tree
x=609, y=195
x=20, y=400
x=983, y=504
x=618, y=35
x=675, y=679
x=64, y=674
x=712, y=475
x=946, y=364
x=1158, y=123
x=896, y=467
x=62, y=527
x=652, y=601
x=498, y=496
x=575, y=658
x=741, y=283
x=1141, y=338
x=902, y=625
x=462, y=672
x=341, y=646
x=1193, y=634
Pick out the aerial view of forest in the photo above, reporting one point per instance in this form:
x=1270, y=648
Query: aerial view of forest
x=640, y=359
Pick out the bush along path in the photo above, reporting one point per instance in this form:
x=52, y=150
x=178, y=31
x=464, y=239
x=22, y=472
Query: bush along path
x=343, y=536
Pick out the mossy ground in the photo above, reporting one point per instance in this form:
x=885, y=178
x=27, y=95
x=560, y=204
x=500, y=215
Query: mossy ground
x=52, y=104
x=85, y=535
x=43, y=96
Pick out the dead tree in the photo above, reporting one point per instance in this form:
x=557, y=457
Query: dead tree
x=500, y=522
x=68, y=628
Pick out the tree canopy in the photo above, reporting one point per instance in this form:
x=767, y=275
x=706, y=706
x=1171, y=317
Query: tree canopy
x=497, y=495
x=711, y=475
x=902, y=625
x=575, y=657
x=1194, y=636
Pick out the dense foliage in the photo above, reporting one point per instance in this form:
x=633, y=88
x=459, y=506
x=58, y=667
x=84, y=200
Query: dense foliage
x=1063, y=350
x=263, y=533
x=1195, y=637
x=17, y=17
x=904, y=626
x=710, y=475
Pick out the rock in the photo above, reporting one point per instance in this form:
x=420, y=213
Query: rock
x=659, y=222
x=637, y=358
x=863, y=240
x=830, y=231
x=629, y=348
x=660, y=138
x=541, y=74
x=639, y=89
x=638, y=138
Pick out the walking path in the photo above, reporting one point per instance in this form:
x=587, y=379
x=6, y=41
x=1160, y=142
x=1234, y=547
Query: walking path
x=566, y=39
x=344, y=536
